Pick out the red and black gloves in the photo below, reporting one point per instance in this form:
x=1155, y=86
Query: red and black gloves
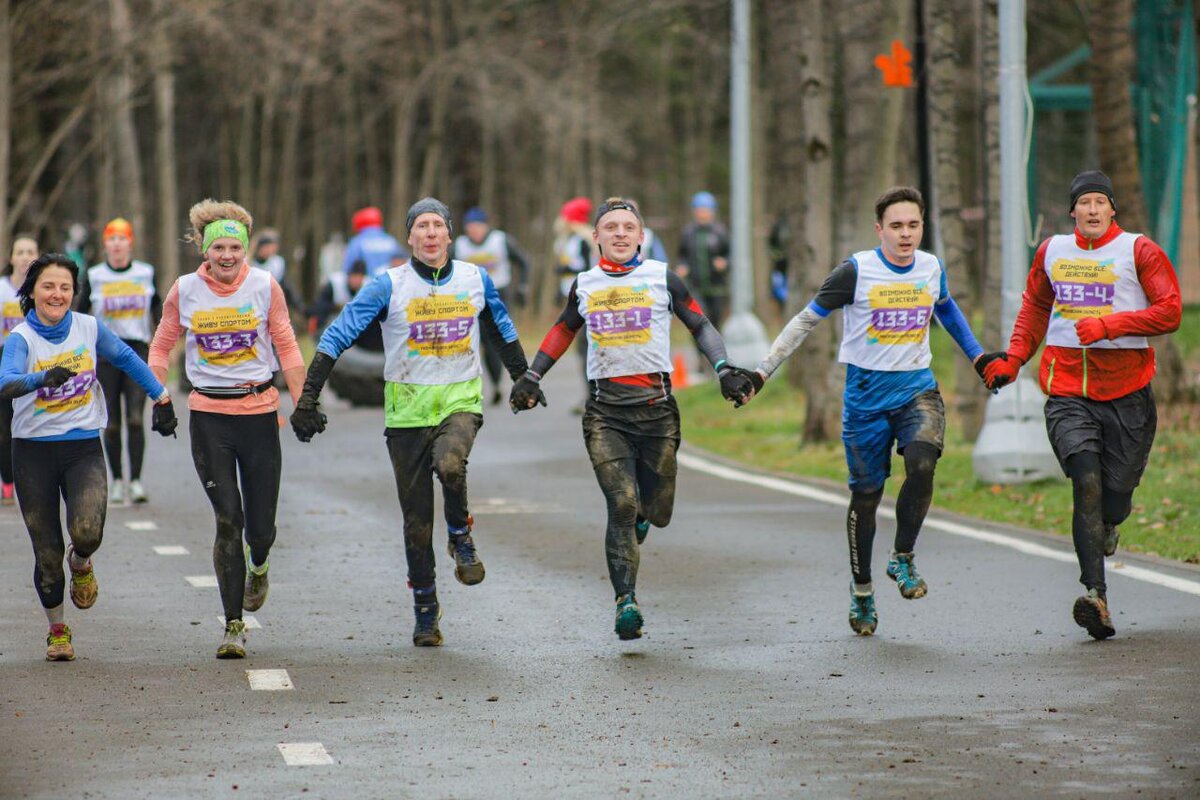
x=1091, y=330
x=997, y=369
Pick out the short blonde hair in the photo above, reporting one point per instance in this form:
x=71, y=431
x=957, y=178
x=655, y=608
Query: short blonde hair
x=209, y=210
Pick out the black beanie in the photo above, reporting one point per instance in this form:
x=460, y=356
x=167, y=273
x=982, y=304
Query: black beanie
x=1091, y=181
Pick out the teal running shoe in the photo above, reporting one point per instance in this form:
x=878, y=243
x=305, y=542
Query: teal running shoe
x=862, y=612
x=903, y=571
x=643, y=528
x=629, y=617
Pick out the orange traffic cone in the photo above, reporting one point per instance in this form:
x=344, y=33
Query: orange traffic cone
x=679, y=371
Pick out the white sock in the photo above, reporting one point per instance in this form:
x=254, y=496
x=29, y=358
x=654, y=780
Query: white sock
x=54, y=615
x=864, y=589
x=75, y=561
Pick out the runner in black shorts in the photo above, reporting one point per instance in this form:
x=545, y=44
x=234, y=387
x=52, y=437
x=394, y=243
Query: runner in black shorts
x=631, y=421
x=1095, y=295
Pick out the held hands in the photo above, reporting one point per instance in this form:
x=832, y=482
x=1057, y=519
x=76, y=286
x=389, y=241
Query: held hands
x=997, y=369
x=57, y=376
x=526, y=393
x=1091, y=330
x=307, y=419
x=737, y=385
x=163, y=420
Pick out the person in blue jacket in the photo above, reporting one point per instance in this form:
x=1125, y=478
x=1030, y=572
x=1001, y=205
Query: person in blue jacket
x=48, y=370
x=371, y=244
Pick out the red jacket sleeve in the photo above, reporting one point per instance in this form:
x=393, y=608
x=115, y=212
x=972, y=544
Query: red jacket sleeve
x=1162, y=290
x=1036, y=304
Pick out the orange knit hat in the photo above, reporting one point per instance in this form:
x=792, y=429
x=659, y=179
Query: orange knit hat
x=118, y=227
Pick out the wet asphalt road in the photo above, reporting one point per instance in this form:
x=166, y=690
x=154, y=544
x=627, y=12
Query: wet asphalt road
x=748, y=683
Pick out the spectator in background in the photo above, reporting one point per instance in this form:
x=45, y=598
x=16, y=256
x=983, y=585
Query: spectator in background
x=704, y=257
x=371, y=243
x=264, y=254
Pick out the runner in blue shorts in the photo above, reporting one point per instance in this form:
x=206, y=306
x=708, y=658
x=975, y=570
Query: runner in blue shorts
x=888, y=296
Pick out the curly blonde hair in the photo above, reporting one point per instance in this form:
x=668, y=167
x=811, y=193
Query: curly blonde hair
x=209, y=210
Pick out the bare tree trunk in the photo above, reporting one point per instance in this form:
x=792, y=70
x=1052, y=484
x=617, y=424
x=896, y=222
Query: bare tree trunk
x=5, y=121
x=804, y=165
x=1110, y=70
x=268, y=179
x=129, y=161
x=245, y=148
x=168, y=184
x=942, y=69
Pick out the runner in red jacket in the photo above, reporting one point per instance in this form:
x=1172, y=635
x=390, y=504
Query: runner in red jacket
x=1095, y=296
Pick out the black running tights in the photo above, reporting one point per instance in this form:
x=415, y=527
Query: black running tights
x=226, y=447
x=916, y=493
x=117, y=386
x=1095, y=506
x=48, y=473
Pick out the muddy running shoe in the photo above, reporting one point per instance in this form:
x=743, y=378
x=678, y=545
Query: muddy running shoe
x=233, y=644
x=643, y=529
x=257, y=584
x=58, y=643
x=137, y=492
x=862, y=612
x=1111, y=537
x=426, y=632
x=84, y=588
x=903, y=571
x=629, y=617
x=8, y=494
x=1091, y=612
x=116, y=493
x=467, y=566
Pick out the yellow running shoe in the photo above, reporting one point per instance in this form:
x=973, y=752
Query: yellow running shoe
x=84, y=588
x=58, y=643
x=233, y=645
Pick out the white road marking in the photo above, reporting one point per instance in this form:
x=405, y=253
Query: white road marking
x=269, y=680
x=502, y=505
x=252, y=624
x=170, y=550
x=304, y=754
x=701, y=464
x=202, y=581
x=142, y=525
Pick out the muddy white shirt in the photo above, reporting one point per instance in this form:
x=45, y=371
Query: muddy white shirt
x=886, y=328
x=431, y=334
x=1093, y=283
x=121, y=299
x=76, y=405
x=628, y=319
x=227, y=342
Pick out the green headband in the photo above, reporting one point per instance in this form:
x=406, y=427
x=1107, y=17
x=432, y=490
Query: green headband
x=225, y=227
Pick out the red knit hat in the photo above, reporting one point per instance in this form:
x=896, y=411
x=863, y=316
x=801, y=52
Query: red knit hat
x=577, y=209
x=366, y=218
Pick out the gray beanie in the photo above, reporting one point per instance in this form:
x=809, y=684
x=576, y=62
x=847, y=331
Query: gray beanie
x=428, y=205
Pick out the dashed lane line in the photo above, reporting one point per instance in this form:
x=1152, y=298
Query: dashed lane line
x=202, y=581
x=141, y=525
x=170, y=550
x=700, y=464
x=304, y=754
x=269, y=680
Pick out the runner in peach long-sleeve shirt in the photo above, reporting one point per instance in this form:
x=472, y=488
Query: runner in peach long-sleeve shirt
x=230, y=317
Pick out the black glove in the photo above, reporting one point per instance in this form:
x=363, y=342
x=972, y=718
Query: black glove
x=57, y=376
x=525, y=394
x=307, y=419
x=757, y=379
x=735, y=384
x=163, y=420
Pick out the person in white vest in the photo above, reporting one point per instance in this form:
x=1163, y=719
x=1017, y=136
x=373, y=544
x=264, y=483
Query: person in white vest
x=888, y=297
x=231, y=316
x=631, y=420
x=500, y=256
x=120, y=292
x=48, y=370
x=336, y=292
x=436, y=309
x=1095, y=295
x=24, y=251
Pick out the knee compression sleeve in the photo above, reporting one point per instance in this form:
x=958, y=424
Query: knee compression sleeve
x=920, y=461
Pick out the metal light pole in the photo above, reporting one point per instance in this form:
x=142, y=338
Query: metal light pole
x=745, y=337
x=1012, y=446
